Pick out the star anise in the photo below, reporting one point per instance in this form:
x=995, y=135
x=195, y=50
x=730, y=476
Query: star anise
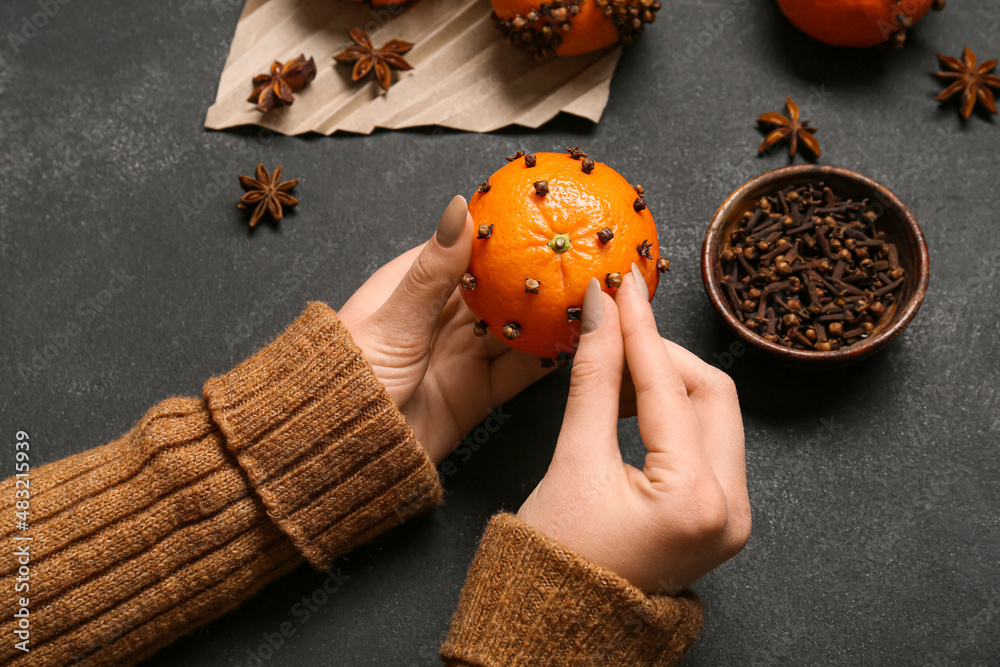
x=369, y=58
x=274, y=89
x=789, y=128
x=268, y=193
x=974, y=82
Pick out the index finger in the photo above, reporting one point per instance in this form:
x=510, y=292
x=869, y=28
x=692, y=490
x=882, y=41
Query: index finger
x=667, y=420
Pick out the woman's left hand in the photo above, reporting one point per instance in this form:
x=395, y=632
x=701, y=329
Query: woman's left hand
x=416, y=332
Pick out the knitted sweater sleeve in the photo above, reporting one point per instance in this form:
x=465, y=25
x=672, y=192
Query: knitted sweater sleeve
x=529, y=601
x=296, y=454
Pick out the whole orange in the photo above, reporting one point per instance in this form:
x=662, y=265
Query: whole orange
x=856, y=23
x=570, y=27
x=546, y=224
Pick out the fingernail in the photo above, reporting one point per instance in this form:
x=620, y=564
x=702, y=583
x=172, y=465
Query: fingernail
x=640, y=282
x=452, y=222
x=593, y=308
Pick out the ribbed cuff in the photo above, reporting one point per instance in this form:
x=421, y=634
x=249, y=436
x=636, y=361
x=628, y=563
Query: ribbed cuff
x=529, y=601
x=323, y=444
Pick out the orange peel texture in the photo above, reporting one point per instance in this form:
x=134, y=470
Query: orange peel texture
x=548, y=233
x=855, y=23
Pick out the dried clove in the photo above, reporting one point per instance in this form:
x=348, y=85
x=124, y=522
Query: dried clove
x=484, y=232
x=541, y=188
x=468, y=282
x=511, y=331
x=613, y=279
x=605, y=235
x=806, y=269
x=531, y=285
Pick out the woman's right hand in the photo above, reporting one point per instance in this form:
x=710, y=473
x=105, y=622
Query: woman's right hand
x=686, y=511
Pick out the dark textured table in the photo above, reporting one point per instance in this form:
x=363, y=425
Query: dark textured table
x=876, y=489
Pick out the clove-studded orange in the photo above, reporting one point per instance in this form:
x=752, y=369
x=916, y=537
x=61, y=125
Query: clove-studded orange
x=546, y=224
x=571, y=27
x=857, y=23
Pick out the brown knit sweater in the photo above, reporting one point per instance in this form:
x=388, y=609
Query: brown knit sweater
x=296, y=454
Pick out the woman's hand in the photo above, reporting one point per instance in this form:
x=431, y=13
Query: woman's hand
x=416, y=332
x=686, y=512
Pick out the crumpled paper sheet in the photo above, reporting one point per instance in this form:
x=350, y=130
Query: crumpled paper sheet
x=465, y=74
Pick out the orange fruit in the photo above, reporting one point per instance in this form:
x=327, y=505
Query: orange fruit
x=856, y=22
x=570, y=27
x=546, y=224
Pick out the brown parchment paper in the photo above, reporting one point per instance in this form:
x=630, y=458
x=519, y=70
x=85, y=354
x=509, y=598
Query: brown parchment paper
x=466, y=76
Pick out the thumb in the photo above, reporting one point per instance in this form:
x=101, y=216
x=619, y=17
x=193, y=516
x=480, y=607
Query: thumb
x=415, y=306
x=589, y=434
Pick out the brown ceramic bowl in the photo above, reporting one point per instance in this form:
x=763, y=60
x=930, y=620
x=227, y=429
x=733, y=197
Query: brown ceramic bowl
x=896, y=221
